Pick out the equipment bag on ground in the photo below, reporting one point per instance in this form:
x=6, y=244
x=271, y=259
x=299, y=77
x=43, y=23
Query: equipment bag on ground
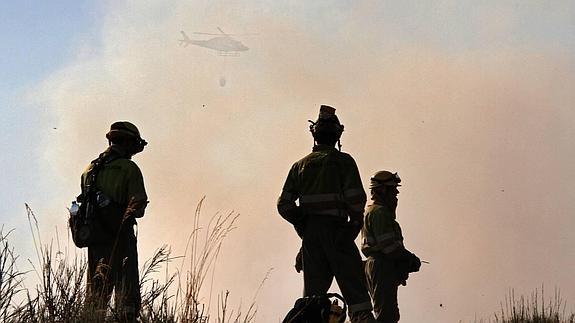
x=317, y=309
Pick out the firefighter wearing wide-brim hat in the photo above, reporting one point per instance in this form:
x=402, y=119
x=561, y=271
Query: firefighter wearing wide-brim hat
x=329, y=216
x=389, y=263
x=121, y=198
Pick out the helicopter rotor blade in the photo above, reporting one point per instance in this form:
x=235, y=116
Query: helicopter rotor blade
x=224, y=33
x=210, y=34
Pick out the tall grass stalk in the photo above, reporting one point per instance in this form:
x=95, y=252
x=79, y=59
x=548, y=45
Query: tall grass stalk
x=533, y=309
x=60, y=294
x=203, y=255
x=10, y=280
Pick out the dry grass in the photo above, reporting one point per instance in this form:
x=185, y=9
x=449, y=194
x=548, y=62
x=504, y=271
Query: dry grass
x=178, y=297
x=532, y=309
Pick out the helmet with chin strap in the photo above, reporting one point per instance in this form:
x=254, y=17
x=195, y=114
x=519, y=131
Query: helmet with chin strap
x=384, y=178
x=327, y=127
x=125, y=129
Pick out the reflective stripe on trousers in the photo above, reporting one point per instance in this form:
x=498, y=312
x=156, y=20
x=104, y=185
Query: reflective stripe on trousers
x=329, y=253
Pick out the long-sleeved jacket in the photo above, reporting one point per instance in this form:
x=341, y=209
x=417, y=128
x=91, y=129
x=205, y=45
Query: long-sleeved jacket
x=381, y=233
x=121, y=180
x=326, y=182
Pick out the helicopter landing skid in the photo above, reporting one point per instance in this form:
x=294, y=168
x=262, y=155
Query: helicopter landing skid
x=234, y=54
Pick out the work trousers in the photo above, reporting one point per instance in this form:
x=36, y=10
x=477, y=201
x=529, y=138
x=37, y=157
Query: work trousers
x=113, y=266
x=329, y=251
x=383, y=281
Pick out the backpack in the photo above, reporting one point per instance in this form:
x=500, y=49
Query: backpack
x=317, y=309
x=87, y=224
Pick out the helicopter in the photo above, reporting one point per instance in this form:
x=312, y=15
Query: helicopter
x=224, y=44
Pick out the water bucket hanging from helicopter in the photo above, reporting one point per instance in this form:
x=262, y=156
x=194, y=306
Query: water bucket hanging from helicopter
x=224, y=44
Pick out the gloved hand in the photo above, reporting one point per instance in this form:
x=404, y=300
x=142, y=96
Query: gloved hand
x=300, y=229
x=414, y=263
x=299, y=260
x=354, y=226
x=402, y=279
x=349, y=231
x=135, y=209
x=405, y=264
x=297, y=219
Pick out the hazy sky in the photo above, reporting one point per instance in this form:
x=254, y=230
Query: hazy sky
x=471, y=102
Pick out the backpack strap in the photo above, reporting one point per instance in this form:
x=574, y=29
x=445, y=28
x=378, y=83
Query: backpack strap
x=89, y=187
x=338, y=296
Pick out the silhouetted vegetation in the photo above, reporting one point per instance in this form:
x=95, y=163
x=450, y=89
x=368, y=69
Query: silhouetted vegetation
x=532, y=309
x=60, y=294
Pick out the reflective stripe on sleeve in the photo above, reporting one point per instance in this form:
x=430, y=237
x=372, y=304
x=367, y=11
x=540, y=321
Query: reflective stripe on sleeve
x=370, y=240
x=384, y=237
x=392, y=247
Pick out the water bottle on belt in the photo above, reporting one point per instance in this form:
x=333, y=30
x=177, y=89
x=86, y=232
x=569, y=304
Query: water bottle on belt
x=74, y=209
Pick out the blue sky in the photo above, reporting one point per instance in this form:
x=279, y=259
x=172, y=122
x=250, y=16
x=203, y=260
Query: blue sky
x=37, y=38
x=466, y=99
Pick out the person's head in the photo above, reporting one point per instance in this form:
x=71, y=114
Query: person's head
x=127, y=136
x=383, y=186
x=327, y=129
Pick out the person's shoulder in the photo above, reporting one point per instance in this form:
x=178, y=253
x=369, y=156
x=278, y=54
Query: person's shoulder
x=305, y=159
x=377, y=211
x=125, y=164
x=87, y=169
x=345, y=158
x=373, y=208
x=370, y=214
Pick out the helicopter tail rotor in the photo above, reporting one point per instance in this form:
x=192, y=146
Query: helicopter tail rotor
x=186, y=40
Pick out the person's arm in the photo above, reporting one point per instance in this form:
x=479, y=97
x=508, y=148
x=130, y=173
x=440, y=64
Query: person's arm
x=388, y=242
x=286, y=204
x=385, y=234
x=354, y=195
x=137, y=197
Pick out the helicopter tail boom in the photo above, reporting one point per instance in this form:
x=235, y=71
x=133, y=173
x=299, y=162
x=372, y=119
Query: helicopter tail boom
x=186, y=40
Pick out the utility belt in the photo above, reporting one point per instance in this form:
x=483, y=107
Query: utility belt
x=110, y=215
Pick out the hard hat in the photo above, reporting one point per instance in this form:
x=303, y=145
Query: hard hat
x=125, y=128
x=327, y=122
x=327, y=114
x=384, y=177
